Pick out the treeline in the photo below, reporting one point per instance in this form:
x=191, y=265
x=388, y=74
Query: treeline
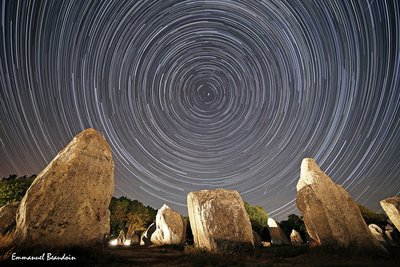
x=130, y=216
x=13, y=188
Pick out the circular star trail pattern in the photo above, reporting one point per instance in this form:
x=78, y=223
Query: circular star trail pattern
x=198, y=95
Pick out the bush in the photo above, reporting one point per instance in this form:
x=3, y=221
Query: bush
x=13, y=188
x=129, y=215
x=259, y=220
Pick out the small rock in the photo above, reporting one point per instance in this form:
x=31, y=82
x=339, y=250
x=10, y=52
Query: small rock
x=121, y=238
x=265, y=244
x=295, y=238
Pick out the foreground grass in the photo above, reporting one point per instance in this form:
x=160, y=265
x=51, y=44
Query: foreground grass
x=280, y=256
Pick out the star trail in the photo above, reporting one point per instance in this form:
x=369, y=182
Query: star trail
x=198, y=95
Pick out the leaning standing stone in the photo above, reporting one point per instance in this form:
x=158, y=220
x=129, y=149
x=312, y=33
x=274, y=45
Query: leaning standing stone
x=67, y=204
x=392, y=208
x=331, y=216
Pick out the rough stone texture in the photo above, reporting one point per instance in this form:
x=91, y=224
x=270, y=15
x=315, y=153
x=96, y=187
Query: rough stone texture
x=67, y=204
x=392, y=208
x=219, y=221
x=378, y=233
x=7, y=216
x=331, y=216
x=278, y=237
x=295, y=238
x=170, y=228
x=145, y=239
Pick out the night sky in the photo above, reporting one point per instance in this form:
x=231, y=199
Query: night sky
x=198, y=95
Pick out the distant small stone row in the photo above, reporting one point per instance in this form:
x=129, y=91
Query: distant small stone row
x=71, y=196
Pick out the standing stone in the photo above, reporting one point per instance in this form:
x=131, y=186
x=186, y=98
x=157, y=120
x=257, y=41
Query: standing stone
x=295, y=238
x=257, y=239
x=219, y=221
x=145, y=239
x=121, y=238
x=170, y=228
x=135, y=239
x=7, y=216
x=67, y=204
x=392, y=208
x=392, y=235
x=378, y=233
x=278, y=237
x=331, y=216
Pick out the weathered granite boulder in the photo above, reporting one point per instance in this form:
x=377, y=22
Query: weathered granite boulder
x=67, y=204
x=295, y=238
x=7, y=216
x=219, y=221
x=170, y=228
x=392, y=208
x=145, y=239
x=332, y=218
x=278, y=237
x=378, y=233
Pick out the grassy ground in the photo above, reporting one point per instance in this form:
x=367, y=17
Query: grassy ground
x=272, y=256
x=280, y=256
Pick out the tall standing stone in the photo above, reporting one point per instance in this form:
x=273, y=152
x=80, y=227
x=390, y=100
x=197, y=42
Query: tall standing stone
x=331, y=216
x=378, y=233
x=392, y=208
x=67, y=204
x=219, y=221
x=278, y=237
